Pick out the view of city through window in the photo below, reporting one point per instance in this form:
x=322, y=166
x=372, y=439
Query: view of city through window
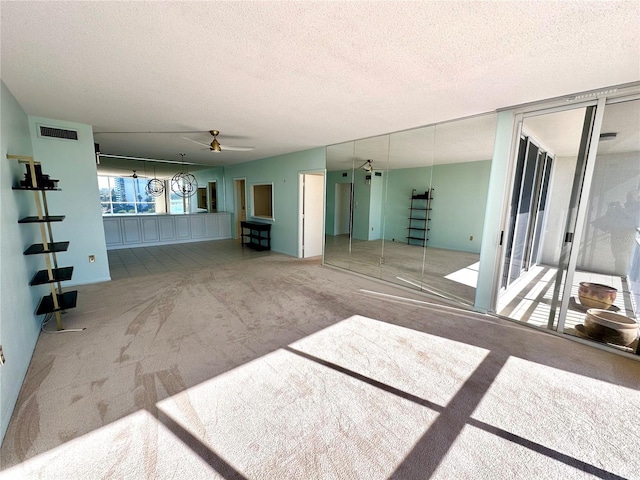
x=124, y=195
x=127, y=195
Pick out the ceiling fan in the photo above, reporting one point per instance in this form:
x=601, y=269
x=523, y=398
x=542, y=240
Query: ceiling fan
x=215, y=146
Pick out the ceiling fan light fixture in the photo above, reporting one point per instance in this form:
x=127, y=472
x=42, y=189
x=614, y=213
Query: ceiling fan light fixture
x=215, y=146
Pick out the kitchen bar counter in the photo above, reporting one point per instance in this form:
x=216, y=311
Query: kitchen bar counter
x=129, y=231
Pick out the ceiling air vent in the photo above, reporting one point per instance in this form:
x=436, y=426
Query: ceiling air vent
x=58, y=133
x=608, y=135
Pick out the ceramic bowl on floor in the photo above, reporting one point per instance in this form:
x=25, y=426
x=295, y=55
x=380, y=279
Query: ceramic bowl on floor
x=596, y=295
x=610, y=327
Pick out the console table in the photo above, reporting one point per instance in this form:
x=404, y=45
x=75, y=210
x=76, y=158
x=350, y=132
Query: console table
x=256, y=235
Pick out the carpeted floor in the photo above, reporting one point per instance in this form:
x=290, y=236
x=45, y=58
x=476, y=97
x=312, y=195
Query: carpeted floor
x=279, y=368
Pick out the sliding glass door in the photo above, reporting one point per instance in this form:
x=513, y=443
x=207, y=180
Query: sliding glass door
x=572, y=232
x=548, y=175
x=604, y=264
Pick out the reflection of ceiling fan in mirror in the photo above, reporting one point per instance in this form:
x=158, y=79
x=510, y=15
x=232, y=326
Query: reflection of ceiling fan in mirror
x=368, y=166
x=215, y=146
x=135, y=175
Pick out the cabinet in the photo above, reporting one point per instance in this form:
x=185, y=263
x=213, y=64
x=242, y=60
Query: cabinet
x=419, y=216
x=256, y=235
x=38, y=183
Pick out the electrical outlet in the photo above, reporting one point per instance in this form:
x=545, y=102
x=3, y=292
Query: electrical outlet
x=92, y=258
x=1, y=356
x=471, y=238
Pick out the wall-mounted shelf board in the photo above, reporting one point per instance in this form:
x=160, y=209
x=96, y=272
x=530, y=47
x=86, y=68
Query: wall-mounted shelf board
x=54, y=247
x=59, y=275
x=45, y=219
x=66, y=301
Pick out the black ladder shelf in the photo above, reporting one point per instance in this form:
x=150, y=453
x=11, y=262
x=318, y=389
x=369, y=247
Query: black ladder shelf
x=419, y=216
x=53, y=275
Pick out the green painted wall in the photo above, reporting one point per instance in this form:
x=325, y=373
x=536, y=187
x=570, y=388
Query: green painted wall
x=460, y=196
x=401, y=182
x=19, y=328
x=283, y=171
x=460, y=199
x=74, y=164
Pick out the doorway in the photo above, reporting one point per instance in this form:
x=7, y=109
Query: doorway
x=240, y=204
x=311, y=224
x=342, y=220
x=213, y=199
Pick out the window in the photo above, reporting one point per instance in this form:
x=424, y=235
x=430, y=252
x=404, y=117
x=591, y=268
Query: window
x=262, y=198
x=177, y=203
x=124, y=195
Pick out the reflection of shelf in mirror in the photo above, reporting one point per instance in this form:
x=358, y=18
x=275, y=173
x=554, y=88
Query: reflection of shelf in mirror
x=422, y=209
x=420, y=229
x=418, y=238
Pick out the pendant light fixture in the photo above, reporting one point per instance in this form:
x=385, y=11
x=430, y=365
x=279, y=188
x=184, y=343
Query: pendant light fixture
x=155, y=186
x=184, y=184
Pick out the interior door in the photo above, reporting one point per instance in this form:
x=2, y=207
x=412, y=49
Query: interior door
x=312, y=215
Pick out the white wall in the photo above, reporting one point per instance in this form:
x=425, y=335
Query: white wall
x=557, y=209
x=499, y=178
x=19, y=328
x=73, y=163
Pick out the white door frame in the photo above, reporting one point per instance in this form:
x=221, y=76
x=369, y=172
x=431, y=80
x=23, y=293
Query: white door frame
x=301, y=174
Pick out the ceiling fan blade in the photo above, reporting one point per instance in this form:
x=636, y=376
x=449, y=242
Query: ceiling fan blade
x=195, y=141
x=236, y=149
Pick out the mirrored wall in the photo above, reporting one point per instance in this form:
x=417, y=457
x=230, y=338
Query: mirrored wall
x=408, y=207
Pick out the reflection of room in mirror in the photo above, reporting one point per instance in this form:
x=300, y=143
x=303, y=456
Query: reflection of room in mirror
x=453, y=160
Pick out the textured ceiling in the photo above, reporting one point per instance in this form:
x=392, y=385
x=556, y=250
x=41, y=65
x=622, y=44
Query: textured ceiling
x=287, y=76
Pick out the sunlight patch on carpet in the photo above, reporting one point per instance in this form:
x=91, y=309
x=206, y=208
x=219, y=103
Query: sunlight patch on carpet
x=567, y=412
x=296, y=417
x=136, y=446
x=479, y=454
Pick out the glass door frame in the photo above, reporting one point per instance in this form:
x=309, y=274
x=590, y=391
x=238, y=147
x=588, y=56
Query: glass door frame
x=581, y=214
